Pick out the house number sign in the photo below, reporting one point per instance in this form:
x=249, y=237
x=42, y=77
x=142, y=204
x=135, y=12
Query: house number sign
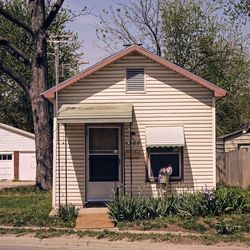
x=134, y=142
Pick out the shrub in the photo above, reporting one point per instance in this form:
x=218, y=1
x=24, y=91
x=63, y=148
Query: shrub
x=123, y=208
x=188, y=205
x=230, y=200
x=225, y=228
x=158, y=207
x=126, y=208
x=207, y=202
x=67, y=213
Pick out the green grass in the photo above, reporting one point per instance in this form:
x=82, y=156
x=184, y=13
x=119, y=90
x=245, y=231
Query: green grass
x=238, y=222
x=27, y=207
x=24, y=206
x=193, y=225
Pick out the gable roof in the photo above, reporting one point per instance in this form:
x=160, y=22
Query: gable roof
x=218, y=92
x=17, y=131
x=245, y=130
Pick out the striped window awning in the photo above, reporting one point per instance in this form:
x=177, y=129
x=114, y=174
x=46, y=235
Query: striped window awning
x=164, y=137
x=95, y=113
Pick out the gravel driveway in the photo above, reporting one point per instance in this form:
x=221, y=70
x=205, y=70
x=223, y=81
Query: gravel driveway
x=11, y=184
x=73, y=243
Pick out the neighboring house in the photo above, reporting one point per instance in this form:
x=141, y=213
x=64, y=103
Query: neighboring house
x=17, y=154
x=234, y=141
x=123, y=119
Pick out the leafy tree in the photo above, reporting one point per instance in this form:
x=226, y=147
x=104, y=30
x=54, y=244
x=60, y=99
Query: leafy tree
x=193, y=35
x=197, y=40
x=237, y=9
x=15, y=107
x=24, y=60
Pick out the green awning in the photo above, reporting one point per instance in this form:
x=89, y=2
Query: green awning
x=95, y=113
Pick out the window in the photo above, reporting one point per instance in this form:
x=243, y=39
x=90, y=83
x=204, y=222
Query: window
x=135, y=80
x=160, y=157
x=103, y=168
x=5, y=157
x=103, y=154
x=243, y=145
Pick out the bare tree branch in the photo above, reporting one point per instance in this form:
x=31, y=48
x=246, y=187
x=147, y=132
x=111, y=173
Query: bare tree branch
x=15, y=20
x=21, y=56
x=132, y=22
x=15, y=76
x=50, y=18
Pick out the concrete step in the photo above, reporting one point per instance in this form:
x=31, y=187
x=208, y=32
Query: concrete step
x=93, y=218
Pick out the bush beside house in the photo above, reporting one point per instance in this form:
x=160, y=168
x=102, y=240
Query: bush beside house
x=217, y=202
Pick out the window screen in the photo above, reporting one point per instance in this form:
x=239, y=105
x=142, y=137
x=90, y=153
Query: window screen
x=135, y=80
x=160, y=157
x=160, y=160
x=103, y=168
x=103, y=140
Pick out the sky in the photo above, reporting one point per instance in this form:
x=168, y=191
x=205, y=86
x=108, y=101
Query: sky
x=85, y=27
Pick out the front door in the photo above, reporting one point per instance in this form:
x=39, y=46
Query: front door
x=103, y=166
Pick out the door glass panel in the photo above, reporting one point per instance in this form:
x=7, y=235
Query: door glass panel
x=103, y=168
x=103, y=140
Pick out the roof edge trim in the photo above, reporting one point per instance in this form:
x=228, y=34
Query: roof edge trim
x=218, y=92
x=17, y=130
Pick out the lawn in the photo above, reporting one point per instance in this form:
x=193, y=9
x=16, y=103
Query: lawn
x=216, y=225
x=224, y=211
x=24, y=206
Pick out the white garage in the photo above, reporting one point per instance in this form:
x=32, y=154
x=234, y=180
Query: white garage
x=17, y=154
x=6, y=166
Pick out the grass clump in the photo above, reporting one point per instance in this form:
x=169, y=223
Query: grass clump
x=193, y=225
x=67, y=213
x=225, y=228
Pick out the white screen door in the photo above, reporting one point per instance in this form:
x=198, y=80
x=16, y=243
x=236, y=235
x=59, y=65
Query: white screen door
x=104, y=171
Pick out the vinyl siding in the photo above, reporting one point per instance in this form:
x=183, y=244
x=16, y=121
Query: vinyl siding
x=71, y=160
x=11, y=141
x=232, y=144
x=169, y=100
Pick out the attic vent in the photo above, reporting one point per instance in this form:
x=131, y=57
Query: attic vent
x=135, y=80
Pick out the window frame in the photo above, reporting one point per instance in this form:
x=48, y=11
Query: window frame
x=153, y=179
x=6, y=156
x=243, y=145
x=144, y=81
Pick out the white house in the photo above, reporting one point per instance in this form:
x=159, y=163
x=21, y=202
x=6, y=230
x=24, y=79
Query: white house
x=123, y=119
x=17, y=154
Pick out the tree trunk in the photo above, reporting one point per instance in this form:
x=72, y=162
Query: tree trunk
x=39, y=82
x=40, y=106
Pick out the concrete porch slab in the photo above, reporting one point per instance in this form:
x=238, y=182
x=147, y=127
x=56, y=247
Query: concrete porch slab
x=93, y=218
x=93, y=210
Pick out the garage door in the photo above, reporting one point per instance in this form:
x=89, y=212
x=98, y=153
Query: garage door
x=27, y=166
x=6, y=166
